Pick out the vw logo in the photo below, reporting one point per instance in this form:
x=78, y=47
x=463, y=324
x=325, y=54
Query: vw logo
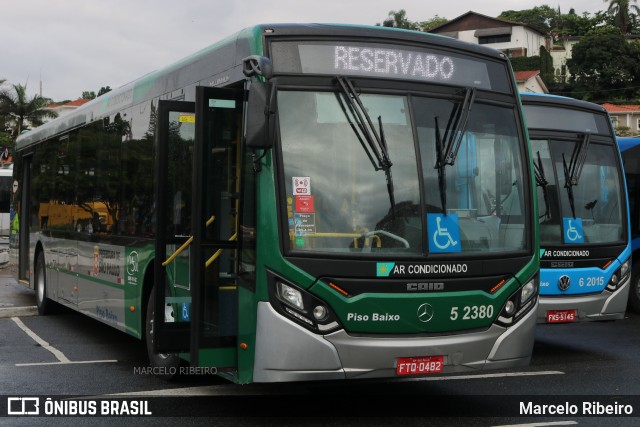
x=425, y=312
x=564, y=282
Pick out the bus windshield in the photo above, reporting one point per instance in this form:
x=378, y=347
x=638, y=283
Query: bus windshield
x=352, y=193
x=594, y=196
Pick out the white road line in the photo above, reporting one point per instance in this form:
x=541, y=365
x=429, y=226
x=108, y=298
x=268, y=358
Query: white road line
x=66, y=363
x=62, y=359
x=186, y=391
x=543, y=424
x=57, y=353
x=223, y=390
x=502, y=375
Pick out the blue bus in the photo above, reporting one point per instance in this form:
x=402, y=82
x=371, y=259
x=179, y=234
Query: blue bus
x=630, y=150
x=582, y=210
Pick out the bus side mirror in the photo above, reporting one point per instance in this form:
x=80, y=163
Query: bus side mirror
x=260, y=116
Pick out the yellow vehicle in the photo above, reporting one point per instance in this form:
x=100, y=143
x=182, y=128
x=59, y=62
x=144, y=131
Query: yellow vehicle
x=92, y=217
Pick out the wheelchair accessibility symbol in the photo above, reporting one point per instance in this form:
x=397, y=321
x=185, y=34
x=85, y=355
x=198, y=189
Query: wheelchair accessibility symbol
x=444, y=233
x=573, y=230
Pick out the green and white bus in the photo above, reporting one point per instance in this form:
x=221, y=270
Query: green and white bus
x=295, y=202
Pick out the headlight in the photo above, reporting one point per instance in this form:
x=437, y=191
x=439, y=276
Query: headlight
x=619, y=276
x=625, y=269
x=290, y=296
x=300, y=306
x=519, y=303
x=528, y=290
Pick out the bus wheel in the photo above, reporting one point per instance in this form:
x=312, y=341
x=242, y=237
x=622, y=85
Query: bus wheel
x=634, y=292
x=166, y=365
x=41, y=286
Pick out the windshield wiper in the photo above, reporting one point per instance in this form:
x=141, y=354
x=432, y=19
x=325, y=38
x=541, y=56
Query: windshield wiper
x=541, y=181
x=447, y=147
x=374, y=143
x=573, y=170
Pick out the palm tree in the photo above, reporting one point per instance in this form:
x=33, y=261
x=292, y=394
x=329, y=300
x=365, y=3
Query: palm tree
x=398, y=19
x=19, y=108
x=621, y=12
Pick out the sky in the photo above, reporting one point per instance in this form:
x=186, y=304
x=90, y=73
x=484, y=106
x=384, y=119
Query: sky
x=71, y=46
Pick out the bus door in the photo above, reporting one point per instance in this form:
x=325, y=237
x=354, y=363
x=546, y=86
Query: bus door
x=197, y=187
x=215, y=226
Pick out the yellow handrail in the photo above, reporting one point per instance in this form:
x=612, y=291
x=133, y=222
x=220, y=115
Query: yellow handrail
x=355, y=237
x=218, y=252
x=185, y=244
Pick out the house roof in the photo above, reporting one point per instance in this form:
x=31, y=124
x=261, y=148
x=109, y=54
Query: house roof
x=78, y=102
x=629, y=108
x=523, y=76
x=476, y=20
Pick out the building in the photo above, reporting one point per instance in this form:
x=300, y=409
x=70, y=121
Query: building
x=625, y=116
x=514, y=39
x=67, y=107
x=530, y=81
x=560, y=51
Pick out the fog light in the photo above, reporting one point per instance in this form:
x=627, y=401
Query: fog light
x=509, y=308
x=291, y=296
x=320, y=312
x=614, y=279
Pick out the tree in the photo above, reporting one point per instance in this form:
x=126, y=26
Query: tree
x=104, y=90
x=88, y=95
x=604, y=65
x=621, y=11
x=541, y=18
x=4, y=125
x=553, y=22
x=398, y=19
x=432, y=23
x=573, y=24
x=16, y=105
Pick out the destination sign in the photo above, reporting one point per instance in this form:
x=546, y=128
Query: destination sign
x=389, y=61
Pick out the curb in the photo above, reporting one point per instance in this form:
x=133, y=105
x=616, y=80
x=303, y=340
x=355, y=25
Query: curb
x=18, y=311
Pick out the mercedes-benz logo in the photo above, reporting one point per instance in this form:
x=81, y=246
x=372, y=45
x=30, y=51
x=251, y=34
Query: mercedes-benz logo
x=425, y=312
x=564, y=282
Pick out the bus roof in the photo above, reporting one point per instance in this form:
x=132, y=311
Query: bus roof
x=545, y=98
x=627, y=142
x=221, y=63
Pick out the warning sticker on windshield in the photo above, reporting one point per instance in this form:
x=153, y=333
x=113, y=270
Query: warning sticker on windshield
x=301, y=186
x=573, y=230
x=305, y=223
x=444, y=233
x=304, y=204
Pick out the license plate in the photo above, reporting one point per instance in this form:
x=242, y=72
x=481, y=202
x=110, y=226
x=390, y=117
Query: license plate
x=419, y=365
x=561, y=316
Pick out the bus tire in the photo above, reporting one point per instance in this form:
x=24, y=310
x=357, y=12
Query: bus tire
x=44, y=306
x=166, y=365
x=634, y=292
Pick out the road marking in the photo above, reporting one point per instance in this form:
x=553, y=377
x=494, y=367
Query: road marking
x=542, y=424
x=65, y=363
x=223, y=390
x=186, y=391
x=502, y=375
x=62, y=359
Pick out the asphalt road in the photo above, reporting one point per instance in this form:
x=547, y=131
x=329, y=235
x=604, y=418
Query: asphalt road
x=574, y=366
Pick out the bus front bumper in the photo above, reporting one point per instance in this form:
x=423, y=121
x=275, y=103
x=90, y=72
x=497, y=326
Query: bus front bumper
x=603, y=306
x=286, y=351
